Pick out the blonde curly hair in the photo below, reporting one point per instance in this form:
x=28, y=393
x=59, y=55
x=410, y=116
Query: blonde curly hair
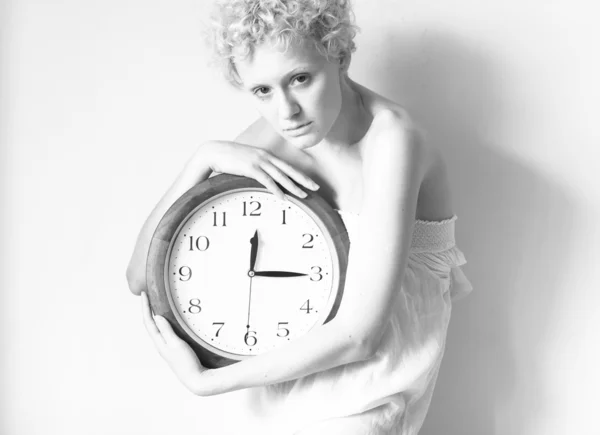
x=235, y=27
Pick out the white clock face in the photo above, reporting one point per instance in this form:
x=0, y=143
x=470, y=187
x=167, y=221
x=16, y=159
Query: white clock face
x=209, y=285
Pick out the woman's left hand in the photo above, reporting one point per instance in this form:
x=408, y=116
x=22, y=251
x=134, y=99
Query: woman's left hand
x=176, y=352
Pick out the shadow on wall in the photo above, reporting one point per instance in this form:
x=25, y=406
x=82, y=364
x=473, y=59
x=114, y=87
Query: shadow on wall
x=513, y=224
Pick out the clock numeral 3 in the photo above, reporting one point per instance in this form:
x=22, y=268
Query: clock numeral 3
x=218, y=330
x=306, y=245
x=195, y=307
x=197, y=244
x=279, y=329
x=306, y=307
x=250, y=340
x=185, y=273
x=254, y=212
x=223, y=224
x=317, y=273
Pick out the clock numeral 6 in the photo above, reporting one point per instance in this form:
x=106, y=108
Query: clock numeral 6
x=223, y=224
x=279, y=329
x=306, y=245
x=250, y=340
x=197, y=244
x=195, y=307
x=218, y=330
x=185, y=273
x=317, y=273
x=254, y=212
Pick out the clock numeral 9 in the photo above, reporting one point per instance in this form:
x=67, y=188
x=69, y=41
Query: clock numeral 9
x=307, y=307
x=279, y=329
x=306, y=245
x=250, y=338
x=223, y=224
x=195, y=307
x=185, y=273
x=317, y=273
x=254, y=212
x=197, y=244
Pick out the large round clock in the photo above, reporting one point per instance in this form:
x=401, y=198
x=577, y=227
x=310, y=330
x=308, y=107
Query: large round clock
x=238, y=272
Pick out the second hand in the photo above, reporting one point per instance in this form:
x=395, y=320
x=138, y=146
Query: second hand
x=253, y=252
x=249, y=302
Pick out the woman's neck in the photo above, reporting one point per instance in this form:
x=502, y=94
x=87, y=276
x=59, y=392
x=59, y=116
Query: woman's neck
x=349, y=128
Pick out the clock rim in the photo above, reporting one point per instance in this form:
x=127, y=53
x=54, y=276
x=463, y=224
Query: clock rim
x=182, y=209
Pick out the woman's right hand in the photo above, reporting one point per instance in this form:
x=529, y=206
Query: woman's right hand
x=263, y=166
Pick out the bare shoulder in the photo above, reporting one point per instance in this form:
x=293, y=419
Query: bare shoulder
x=392, y=121
x=399, y=142
x=394, y=135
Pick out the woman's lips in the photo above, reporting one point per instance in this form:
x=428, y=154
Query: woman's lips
x=300, y=130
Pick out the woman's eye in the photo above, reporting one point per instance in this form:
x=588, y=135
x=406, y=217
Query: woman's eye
x=258, y=92
x=304, y=78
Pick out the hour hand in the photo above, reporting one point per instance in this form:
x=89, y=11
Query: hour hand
x=279, y=274
x=253, y=250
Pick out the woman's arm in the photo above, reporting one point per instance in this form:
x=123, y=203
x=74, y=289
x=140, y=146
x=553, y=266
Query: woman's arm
x=196, y=170
x=320, y=349
x=394, y=168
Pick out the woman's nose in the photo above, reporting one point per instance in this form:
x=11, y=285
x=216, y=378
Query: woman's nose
x=288, y=107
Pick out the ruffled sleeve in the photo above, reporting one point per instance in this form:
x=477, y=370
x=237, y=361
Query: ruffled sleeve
x=460, y=286
x=448, y=261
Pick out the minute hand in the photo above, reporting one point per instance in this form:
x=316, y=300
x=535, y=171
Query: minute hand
x=279, y=274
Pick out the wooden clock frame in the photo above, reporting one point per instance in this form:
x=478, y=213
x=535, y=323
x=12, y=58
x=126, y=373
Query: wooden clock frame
x=330, y=221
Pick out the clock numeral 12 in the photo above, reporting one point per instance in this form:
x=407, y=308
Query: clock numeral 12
x=254, y=212
x=197, y=244
x=215, y=219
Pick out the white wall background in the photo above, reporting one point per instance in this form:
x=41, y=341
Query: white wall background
x=101, y=104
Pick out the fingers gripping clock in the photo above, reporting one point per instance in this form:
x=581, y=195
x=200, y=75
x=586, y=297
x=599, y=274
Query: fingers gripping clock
x=225, y=307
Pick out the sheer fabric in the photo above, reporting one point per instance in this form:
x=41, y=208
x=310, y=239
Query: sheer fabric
x=391, y=392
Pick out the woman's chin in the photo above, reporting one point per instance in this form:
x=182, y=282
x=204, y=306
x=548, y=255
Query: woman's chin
x=303, y=144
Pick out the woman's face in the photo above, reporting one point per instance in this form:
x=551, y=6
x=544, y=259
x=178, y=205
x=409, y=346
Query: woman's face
x=293, y=88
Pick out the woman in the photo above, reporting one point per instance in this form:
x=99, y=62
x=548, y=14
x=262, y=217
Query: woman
x=370, y=162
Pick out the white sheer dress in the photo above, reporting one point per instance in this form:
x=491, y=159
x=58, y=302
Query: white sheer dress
x=391, y=392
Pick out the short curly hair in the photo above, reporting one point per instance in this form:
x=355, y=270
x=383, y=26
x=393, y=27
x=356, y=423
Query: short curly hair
x=235, y=27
